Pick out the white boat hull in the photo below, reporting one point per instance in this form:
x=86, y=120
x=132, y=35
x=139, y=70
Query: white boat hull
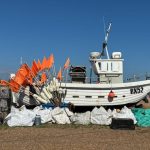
x=97, y=94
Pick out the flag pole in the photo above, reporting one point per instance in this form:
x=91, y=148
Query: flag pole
x=54, y=71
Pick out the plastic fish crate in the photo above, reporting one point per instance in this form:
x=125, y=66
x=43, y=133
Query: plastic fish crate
x=122, y=123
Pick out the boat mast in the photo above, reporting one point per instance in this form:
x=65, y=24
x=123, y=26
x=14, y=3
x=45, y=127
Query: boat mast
x=105, y=42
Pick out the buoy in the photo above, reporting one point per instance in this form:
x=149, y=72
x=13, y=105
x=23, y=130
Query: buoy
x=111, y=95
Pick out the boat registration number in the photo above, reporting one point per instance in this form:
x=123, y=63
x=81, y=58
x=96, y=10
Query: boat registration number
x=136, y=90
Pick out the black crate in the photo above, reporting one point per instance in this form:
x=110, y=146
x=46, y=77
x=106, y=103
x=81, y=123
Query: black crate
x=122, y=123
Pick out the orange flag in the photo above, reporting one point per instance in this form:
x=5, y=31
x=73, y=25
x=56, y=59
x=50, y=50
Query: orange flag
x=19, y=78
x=34, y=68
x=59, y=75
x=30, y=79
x=50, y=61
x=14, y=86
x=44, y=63
x=66, y=65
x=22, y=80
x=43, y=77
x=34, y=73
x=4, y=83
x=25, y=70
x=39, y=65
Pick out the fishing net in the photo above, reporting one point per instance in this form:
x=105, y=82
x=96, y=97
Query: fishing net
x=142, y=116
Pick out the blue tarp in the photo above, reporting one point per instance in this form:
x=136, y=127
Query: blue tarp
x=50, y=105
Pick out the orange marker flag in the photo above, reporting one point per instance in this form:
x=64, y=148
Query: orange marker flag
x=30, y=79
x=4, y=83
x=59, y=75
x=43, y=77
x=35, y=65
x=14, y=86
x=39, y=65
x=66, y=65
x=22, y=80
x=34, y=72
x=25, y=70
x=19, y=78
x=50, y=61
x=34, y=68
x=44, y=63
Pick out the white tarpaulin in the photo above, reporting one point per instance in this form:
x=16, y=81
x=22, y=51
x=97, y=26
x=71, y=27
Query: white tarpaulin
x=60, y=116
x=68, y=112
x=20, y=117
x=81, y=118
x=100, y=116
x=46, y=115
x=25, y=117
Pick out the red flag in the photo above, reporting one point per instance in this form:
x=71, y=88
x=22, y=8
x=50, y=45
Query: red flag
x=59, y=75
x=66, y=65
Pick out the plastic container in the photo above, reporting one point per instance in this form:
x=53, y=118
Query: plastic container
x=37, y=120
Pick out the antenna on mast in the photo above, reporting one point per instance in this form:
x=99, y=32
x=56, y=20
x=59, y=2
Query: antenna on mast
x=104, y=26
x=105, y=41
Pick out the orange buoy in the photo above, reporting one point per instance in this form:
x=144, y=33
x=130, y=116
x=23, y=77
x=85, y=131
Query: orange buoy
x=111, y=95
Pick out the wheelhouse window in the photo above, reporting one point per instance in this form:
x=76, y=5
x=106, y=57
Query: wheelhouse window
x=103, y=66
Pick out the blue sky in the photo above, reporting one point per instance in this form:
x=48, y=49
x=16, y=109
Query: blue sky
x=73, y=28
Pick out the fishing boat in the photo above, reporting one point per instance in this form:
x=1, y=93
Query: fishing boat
x=109, y=88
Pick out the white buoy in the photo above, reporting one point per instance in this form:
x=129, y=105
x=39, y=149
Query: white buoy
x=43, y=96
x=47, y=89
x=39, y=98
x=50, y=89
x=46, y=93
